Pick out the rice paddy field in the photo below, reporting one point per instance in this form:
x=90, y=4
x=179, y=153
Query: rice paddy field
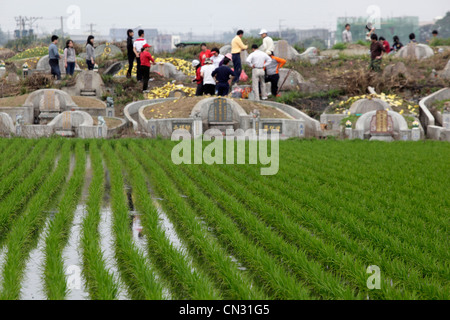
x=104, y=220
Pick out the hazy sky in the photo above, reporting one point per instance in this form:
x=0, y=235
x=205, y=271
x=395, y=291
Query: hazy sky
x=207, y=17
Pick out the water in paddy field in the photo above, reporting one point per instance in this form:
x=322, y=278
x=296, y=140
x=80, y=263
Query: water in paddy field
x=107, y=246
x=72, y=258
x=33, y=282
x=3, y=252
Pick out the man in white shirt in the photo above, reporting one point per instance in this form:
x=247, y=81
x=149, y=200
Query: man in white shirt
x=137, y=47
x=209, y=83
x=257, y=60
x=268, y=45
x=347, y=34
x=216, y=57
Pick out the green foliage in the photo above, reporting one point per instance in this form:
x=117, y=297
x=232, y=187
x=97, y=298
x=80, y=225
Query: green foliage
x=339, y=46
x=290, y=96
x=440, y=42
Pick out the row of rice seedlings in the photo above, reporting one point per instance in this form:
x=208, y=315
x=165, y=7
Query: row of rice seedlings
x=132, y=264
x=8, y=146
x=4, y=144
x=306, y=214
x=59, y=229
x=272, y=208
x=398, y=174
x=10, y=206
x=279, y=282
x=25, y=232
x=390, y=175
x=100, y=281
x=10, y=181
x=328, y=286
x=355, y=217
x=206, y=250
x=11, y=157
x=185, y=282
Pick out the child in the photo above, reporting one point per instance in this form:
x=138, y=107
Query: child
x=376, y=52
x=146, y=61
x=223, y=75
x=90, y=53
x=69, y=58
x=198, y=78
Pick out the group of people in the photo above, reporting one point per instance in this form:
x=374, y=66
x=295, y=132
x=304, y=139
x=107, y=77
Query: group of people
x=69, y=56
x=379, y=45
x=214, y=76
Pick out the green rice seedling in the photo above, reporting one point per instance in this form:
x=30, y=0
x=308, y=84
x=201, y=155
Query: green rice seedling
x=172, y=264
x=295, y=259
x=13, y=155
x=132, y=264
x=100, y=281
x=208, y=254
x=10, y=206
x=279, y=283
x=59, y=229
x=14, y=178
x=26, y=229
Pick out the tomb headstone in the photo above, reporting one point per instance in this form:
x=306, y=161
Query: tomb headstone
x=415, y=134
x=44, y=66
x=49, y=102
x=220, y=111
x=182, y=125
x=445, y=73
x=382, y=126
x=114, y=69
x=67, y=121
x=282, y=49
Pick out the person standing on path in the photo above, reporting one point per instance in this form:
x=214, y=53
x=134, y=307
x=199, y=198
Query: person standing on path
x=237, y=46
x=268, y=46
x=70, y=58
x=209, y=84
x=146, y=61
x=53, y=58
x=90, y=53
x=223, y=75
x=258, y=60
x=130, y=52
x=272, y=71
x=347, y=34
x=137, y=46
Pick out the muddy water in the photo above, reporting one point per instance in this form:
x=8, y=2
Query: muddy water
x=107, y=245
x=72, y=258
x=3, y=252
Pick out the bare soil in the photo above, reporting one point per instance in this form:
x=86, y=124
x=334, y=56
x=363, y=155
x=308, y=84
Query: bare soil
x=88, y=102
x=16, y=101
x=180, y=108
x=265, y=111
x=110, y=122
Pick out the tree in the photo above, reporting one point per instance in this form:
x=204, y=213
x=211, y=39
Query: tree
x=3, y=37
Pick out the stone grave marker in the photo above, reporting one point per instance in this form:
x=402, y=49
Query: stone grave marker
x=67, y=121
x=181, y=125
x=220, y=111
x=382, y=126
x=49, y=102
x=282, y=49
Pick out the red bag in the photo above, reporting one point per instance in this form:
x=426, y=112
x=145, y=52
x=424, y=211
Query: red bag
x=243, y=77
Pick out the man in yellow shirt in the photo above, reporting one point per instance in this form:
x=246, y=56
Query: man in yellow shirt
x=236, y=48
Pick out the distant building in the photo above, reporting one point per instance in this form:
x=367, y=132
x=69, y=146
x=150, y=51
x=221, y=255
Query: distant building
x=165, y=43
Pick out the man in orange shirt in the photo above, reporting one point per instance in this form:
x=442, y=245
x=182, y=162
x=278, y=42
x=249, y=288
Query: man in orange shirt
x=272, y=71
x=146, y=61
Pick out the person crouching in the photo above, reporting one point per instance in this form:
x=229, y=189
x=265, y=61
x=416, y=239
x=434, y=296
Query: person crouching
x=146, y=61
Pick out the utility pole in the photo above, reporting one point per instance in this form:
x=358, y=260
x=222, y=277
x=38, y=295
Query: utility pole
x=91, y=28
x=280, y=26
x=62, y=27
